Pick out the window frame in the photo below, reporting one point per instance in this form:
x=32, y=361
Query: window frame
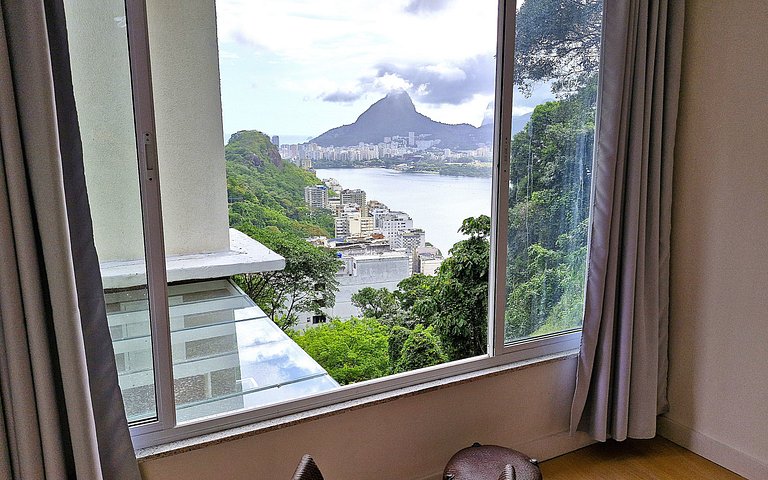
x=164, y=428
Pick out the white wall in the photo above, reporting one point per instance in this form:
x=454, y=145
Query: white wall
x=718, y=384
x=188, y=116
x=409, y=438
x=185, y=75
x=102, y=86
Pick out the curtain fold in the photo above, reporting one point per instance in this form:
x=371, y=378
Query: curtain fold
x=61, y=412
x=622, y=369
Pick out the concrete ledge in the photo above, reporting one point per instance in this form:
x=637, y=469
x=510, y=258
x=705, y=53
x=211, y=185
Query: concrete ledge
x=245, y=255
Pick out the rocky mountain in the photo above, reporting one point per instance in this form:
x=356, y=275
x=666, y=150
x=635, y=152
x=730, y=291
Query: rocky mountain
x=395, y=115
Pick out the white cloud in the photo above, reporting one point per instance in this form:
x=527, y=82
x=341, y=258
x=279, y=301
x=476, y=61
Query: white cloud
x=352, y=52
x=359, y=33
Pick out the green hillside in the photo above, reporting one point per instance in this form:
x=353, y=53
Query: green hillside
x=265, y=192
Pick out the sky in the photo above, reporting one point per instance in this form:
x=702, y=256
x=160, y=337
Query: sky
x=298, y=68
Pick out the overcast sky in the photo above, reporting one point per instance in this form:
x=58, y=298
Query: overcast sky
x=301, y=67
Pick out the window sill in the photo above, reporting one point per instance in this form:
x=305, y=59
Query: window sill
x=245, y=255
x=230, y=434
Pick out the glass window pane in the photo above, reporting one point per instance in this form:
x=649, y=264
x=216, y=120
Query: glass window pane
x=251, y=161
x=556, y=67
x=102, y=86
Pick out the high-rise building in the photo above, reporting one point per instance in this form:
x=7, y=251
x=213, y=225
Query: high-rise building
x=410, y=240
x=353, y=196
x=275, y=140
x=411, y=139
x=393, y=222
x=360, y=225
x=316, y=196
x=341, y=227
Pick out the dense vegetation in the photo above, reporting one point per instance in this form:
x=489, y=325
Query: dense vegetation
x=266, y=202
x=550, y=175
x=264, y=191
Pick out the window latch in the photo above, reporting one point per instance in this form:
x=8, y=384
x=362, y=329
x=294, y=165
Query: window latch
x=150, y=156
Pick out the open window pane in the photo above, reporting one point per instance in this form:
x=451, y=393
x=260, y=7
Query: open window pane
x=344, y=242
x=556, y=67
x=102, y=86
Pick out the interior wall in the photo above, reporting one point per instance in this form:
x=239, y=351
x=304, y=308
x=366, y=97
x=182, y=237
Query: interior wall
x=718, y=382
x=409, y=438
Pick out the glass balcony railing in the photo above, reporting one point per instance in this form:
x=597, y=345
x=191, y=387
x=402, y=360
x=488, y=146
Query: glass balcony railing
x=227, y=354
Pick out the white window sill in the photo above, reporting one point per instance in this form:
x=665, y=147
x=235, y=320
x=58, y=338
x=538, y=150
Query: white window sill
x=245, y=255
x=256, y=428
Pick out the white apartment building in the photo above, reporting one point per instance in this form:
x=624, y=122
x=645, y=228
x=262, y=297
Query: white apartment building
x=356, y=196
x=409, y=240
x=334, y=205
x=390, y=223
x=316, y=196
x=359, y=270
x=341, y=227
x=360, y=225
x=427, y=260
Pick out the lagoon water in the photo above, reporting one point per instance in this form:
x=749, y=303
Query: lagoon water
x=436, y=203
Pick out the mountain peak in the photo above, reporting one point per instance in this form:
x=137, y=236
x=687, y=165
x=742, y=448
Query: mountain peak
x=398, y=92
x=396, y=115
x=397, y=100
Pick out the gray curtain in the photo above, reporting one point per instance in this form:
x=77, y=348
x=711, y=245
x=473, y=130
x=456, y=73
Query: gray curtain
x=622, y=369
x=61, y=412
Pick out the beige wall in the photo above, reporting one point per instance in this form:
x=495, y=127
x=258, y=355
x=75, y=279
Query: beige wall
x=188, y=116
x=719, y=313
x=409, y=438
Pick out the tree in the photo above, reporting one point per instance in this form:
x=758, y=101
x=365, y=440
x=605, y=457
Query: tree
x=377, y=303
x=397, y=337
x=558, y=41
x=459, y=300
x=306, y=284
x=421, y=348
x=416, y=295
x=264, y=191
x=350, y=351
x=550, y=178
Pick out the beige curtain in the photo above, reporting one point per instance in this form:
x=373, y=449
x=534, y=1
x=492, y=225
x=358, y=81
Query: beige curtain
x=622, y=371
x=61, y=413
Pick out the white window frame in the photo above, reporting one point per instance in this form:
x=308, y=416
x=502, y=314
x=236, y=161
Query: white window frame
x=164, y=428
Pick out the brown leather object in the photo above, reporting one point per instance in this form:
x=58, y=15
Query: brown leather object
x=307, y=470
x=491, y=462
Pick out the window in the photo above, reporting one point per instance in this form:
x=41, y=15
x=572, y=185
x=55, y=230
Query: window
x=439, y=220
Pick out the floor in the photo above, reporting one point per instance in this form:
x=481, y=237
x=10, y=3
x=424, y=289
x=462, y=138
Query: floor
x=656, y=459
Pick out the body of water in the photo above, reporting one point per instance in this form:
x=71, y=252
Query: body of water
x=437, y=203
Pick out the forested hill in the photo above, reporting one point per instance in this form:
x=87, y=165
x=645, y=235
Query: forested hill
x=264, y=191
